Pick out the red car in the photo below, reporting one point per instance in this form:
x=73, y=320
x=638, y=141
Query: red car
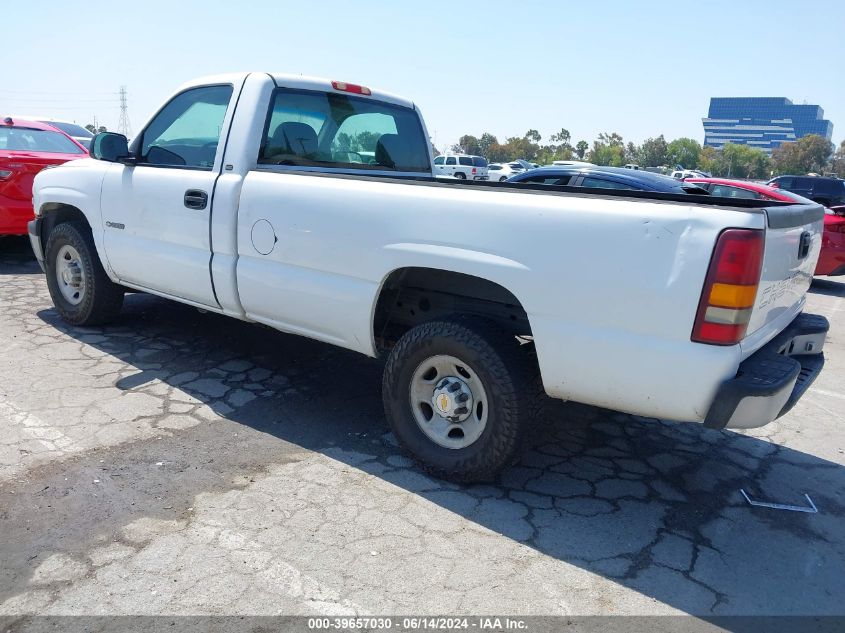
x=27, y=147
x=832, y=256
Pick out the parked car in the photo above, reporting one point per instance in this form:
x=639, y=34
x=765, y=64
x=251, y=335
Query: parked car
x=461, y=166
x=572, y=163
x=605, y=178
x=680, y=174
x=78, y=133
x=832, y=256
x=829, y=192
x=480, y=297
x=502, y=171
x=27, y=147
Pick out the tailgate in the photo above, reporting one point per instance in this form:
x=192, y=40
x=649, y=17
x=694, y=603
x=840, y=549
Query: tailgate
x=793, y=242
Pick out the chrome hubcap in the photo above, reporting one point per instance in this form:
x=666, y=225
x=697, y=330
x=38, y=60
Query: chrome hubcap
x=449, y=401
x=70, y=275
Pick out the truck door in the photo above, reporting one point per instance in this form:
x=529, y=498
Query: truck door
x=156, y=213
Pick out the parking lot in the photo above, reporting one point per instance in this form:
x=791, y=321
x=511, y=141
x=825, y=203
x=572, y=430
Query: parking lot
x=186, y=463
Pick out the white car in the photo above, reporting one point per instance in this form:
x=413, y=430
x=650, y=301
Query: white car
x=680, y=174
x=236, y=198
x=502, y=171
x=461, y=166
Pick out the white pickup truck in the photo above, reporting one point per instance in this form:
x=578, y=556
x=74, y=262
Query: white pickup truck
x=309, y=205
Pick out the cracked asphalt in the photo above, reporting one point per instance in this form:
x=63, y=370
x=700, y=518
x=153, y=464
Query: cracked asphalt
x=185, y=463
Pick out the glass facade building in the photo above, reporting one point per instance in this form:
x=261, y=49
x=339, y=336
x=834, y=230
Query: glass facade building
x=762, y=122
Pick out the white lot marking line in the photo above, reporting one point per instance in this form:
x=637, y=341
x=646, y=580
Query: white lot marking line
x=50, y=437
x=822, y=392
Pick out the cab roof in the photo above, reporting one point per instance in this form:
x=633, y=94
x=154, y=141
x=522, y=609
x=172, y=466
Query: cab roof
x=302, y=82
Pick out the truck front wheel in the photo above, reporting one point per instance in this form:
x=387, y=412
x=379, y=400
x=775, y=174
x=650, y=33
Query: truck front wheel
x=461, y=396
x=81, y=290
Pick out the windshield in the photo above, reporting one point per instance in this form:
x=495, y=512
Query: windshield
x=71, y=129
x=29, y=140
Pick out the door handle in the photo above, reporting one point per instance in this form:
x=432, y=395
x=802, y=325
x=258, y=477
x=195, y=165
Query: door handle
x=196, y=199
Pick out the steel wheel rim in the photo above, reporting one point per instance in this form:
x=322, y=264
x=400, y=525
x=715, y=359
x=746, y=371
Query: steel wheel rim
x=70, y=275
x=442, y=431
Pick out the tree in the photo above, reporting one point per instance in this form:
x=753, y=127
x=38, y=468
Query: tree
x=653, y=152
x=742, y=161
x=486, y=141
x=581, y=148
x=533, y=135
x=808, y=154
x=684, y=152
x=632, y=153
x=837, y=163
x=469, y=144
x=95, y=130
x=708, y=159
x=608, y=149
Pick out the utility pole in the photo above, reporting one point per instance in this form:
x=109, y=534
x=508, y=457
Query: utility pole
x=123, y=126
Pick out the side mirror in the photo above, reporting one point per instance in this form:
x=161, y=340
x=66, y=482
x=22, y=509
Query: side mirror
x=111, y=147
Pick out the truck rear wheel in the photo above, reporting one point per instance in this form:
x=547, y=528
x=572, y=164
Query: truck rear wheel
x=461, y=397
x=79, y=286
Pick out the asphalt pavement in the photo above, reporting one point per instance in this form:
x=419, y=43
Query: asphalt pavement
x=185, y=463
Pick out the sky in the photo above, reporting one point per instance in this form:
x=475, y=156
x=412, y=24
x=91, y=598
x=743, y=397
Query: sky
x=639, y=68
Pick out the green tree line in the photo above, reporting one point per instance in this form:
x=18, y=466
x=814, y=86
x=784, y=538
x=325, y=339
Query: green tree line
x=809, y=154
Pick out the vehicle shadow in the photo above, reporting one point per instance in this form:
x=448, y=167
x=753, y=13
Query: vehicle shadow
x=16, y=256
x=653, y=506
x=828, y=287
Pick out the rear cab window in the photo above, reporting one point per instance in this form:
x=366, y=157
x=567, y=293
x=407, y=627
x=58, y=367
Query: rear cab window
x=307, y=128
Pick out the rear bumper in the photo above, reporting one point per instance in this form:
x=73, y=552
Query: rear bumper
x=33, y=228
x=14, y=214
x=770, y=381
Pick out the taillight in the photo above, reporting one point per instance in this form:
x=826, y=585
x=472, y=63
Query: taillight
x=839, y=227
x=473, y=170
x=353, y=88
x=730, y=287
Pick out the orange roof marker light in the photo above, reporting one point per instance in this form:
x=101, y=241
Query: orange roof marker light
x=353, y=88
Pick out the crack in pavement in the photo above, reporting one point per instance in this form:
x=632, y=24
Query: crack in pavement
x=194, y=464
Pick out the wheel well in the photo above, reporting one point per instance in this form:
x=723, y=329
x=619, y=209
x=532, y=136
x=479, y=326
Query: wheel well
x=55, y=213
x=410, y=296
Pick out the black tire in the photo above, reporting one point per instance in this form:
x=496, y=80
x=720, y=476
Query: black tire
x=502, y=179
x=511, y=378
x=101, y=299
x=460, y=176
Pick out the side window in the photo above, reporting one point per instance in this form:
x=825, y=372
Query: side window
x=548, y=180
x=495, y=167
x=598, y=183
x=803, y=184
x=465, y=160
x=785, y=183
x=725, y=191
x=309, y=128
x=439, y=160
x=186, y=131
x=451, y=160
x=827, y=187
